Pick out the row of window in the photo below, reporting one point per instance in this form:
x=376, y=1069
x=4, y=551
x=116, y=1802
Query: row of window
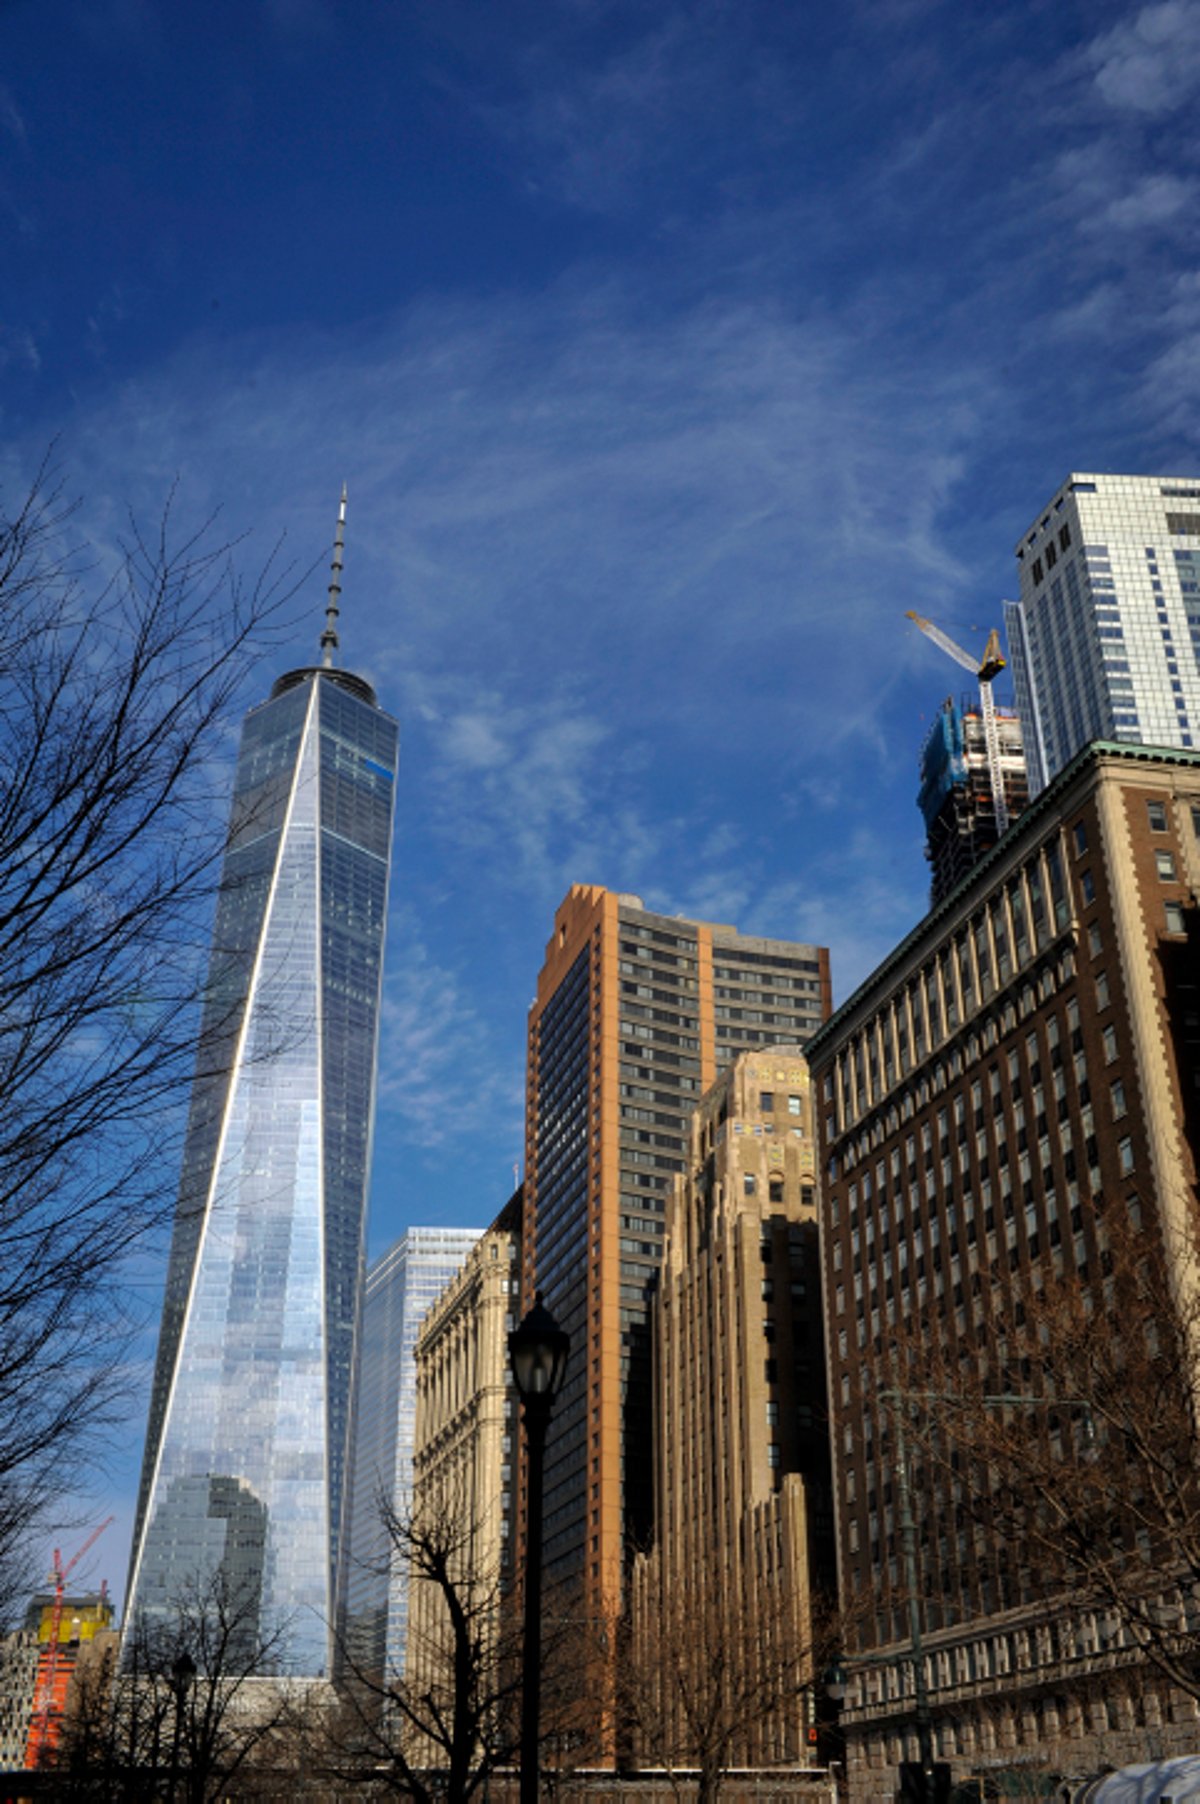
x=1026, y=916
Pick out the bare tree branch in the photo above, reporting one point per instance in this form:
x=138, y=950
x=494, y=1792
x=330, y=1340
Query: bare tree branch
x=113, y=698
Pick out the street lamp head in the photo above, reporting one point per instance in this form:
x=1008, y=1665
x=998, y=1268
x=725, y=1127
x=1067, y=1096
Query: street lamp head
x=537, y=1351
x=833, y=1679
x=183, y=1670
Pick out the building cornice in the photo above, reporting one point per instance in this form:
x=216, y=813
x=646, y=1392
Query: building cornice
x=1043, y=806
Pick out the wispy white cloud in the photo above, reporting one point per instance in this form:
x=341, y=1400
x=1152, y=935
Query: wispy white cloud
x=441, y=1073
x=11, y=118
x=1151, y=202
x=19, y=349
x=518, y=779
x=641, y=116
x=566, y=486
x=1149, y=64
x=829, y=895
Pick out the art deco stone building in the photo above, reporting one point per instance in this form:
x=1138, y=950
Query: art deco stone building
x=1021, y=1072
x=743, y=1528
x=466, y=1434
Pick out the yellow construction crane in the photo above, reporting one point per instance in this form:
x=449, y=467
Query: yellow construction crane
x=985, y=670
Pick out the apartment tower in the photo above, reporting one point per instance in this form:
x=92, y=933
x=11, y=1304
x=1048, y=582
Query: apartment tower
x=1105, y=636
x=244, y=1475
x=635, y=1015
x=1006, y=1102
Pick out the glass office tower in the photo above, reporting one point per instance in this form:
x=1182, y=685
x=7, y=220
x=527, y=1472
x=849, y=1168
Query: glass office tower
x=246, y=1453
x=1105, y=638
x=401, y=1286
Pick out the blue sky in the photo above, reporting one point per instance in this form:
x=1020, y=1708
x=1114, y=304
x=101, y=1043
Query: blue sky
x=670, y=353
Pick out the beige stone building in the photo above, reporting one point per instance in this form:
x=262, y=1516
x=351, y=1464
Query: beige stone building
x=743, y=1544
x=1010, y=1099
x=466, y=1431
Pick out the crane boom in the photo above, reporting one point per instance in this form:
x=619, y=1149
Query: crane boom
x=945, y=642
x=39, y=1740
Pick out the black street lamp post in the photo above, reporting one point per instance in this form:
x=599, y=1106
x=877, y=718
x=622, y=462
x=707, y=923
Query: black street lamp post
x=537, y=1351
x=183, y=1674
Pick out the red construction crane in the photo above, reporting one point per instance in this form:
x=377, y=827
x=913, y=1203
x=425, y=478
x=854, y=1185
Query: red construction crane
x=44, y=1703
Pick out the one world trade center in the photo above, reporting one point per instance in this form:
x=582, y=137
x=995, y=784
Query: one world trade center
x=244, y=1475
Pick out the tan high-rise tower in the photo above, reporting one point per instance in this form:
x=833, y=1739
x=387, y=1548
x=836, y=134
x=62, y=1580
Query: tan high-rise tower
x=743, y=1543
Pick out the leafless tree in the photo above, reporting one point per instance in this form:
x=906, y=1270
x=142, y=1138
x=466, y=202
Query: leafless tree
x=195, y=1711
x=442, y=1727
x=713, y=1677
x=1095, y=1486
x=114, y=691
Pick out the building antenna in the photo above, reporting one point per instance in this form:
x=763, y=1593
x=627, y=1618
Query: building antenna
x=329, y=638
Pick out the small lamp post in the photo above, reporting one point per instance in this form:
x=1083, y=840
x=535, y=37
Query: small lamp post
x=833, y=1682
x=537, y=1351
x=183, y=1675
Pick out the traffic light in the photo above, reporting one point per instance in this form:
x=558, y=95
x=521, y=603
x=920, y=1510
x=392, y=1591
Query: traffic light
x=913, y=1787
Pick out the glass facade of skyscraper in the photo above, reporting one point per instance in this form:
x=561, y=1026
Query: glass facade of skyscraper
x=245, y=1464
x=400, y=1288
x=1105, y=638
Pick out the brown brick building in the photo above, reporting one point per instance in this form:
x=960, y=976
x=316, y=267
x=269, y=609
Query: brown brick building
x=1020, y=1070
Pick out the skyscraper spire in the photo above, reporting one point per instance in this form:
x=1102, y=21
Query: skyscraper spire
x=329, y=638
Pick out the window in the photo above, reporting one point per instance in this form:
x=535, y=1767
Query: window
x=766, y=1101
x=1175, y=920
x=1095, y=944
x=1079, y=834
x=768, y=1288
x=1102, y=989
x=773, y=1454
x=1088, y=886
x=748, y=1183
x=775, y=1190
x=1110, y=1045
x=793, y=1105
x=1117, y=1092
x=772, y=1413
x=1125, y=1153
x=1164, y=864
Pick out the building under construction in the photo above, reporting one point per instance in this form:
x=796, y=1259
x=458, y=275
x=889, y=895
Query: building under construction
x=38, y=1663
x=956, y=799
